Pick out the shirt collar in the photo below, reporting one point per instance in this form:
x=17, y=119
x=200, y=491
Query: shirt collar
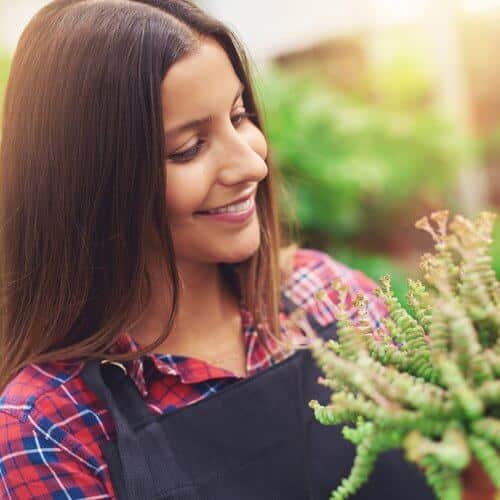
x=189, y=370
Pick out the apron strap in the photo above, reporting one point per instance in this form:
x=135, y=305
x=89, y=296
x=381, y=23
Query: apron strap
x=122, y=398
x=113, y=386
x=116, y=389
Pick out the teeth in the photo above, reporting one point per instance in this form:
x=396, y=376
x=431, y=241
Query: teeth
x=237, y=207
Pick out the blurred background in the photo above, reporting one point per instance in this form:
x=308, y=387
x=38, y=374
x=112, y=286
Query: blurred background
x=377, y=111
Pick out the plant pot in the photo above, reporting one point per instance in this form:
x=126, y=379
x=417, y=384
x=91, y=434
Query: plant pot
x=476, y=483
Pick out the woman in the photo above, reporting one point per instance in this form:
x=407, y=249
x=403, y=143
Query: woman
x=145, y=348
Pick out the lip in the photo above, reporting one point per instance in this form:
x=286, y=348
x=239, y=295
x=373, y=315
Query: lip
x=232, y=217
x=239, y=200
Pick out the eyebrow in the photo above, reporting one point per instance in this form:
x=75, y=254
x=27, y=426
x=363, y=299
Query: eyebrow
x=199, y=122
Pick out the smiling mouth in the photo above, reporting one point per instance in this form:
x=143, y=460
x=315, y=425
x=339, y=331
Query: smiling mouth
x=238, y=214
x=235, y=208
x=225, y=208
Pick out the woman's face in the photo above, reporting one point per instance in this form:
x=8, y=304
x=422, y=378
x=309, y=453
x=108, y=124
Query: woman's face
x=211, y=164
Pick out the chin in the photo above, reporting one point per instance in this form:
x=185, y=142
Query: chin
x=240, y=253
x=238, y=257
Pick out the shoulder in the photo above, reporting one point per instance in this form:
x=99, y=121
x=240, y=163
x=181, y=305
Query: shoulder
x=323, y=268
x=42, y=388
x=314, y=270
x=48, y=407
x=42, y=460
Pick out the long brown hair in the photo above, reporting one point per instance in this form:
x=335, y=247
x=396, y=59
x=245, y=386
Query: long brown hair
x=82, y=179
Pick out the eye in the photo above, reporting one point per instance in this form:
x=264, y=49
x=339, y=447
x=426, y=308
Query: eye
x=188, y=154
x=241, y=116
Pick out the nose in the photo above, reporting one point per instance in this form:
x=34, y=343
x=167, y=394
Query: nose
x=240, y=156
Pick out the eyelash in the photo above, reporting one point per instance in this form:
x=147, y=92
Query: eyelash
x=190, y=153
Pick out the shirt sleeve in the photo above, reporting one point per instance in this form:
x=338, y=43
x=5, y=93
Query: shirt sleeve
x=357, y=283
x=313, y=272
x=33, y=464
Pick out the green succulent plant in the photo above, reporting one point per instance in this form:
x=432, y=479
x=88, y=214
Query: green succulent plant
x=428, y=381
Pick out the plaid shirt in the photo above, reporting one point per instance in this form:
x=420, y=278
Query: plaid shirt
x=52, y=425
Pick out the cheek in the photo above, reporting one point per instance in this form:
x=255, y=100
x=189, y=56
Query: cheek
x=179, y=200
x=259, y=143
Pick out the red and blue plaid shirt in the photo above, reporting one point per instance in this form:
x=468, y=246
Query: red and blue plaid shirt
x=52, y=425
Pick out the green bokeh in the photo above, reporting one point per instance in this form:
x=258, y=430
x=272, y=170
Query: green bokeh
x=4, y=73
x=350, y=165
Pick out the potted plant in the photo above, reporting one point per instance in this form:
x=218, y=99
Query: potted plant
x=427, y=381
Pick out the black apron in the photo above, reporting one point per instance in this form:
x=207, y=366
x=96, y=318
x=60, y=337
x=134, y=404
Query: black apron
x=257, y=439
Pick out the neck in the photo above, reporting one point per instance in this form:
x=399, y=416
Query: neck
x=208, y=315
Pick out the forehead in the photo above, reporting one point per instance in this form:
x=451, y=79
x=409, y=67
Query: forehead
x=200, y=83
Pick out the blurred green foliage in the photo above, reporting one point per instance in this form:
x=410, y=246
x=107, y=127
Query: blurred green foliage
x=403, y=77
x=4, y=73
x=490, y=145
x=349, y=164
